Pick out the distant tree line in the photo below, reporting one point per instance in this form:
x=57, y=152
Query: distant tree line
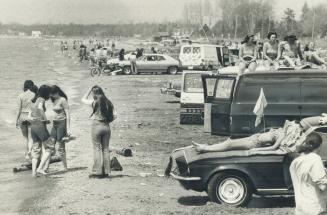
x=210, y=18
x=237, y=18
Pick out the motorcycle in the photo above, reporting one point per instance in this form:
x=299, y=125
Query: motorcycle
x=103, y=68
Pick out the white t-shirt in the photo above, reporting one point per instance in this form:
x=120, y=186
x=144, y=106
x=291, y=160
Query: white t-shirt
x=307, y=172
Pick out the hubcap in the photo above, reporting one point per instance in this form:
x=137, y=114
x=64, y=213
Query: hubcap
x=173, y=70
x=231, y=190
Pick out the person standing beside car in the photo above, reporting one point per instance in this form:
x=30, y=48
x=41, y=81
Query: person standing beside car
x=309, y=178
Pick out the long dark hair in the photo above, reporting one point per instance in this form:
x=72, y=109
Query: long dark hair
x=55, y=89
x=102, y=103
x=28, y=85
x=43, y=92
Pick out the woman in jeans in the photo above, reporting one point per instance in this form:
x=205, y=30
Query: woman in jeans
x=102, y=115
x=24, y=107
x=61, y=122
x=40, y=134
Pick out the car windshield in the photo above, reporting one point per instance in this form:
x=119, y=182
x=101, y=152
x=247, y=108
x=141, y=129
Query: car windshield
x=193, y=83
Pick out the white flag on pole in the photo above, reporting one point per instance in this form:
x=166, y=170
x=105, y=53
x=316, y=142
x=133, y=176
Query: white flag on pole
x=259, y=107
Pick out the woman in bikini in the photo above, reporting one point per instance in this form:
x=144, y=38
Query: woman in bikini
x=22, y=120
x=248, y=54
x=286, y=138
x=270, y=50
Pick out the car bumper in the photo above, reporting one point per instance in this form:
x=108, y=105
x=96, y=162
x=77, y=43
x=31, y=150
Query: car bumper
x=182, y=178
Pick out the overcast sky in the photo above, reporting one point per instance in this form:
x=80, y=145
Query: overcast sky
x=107, y=11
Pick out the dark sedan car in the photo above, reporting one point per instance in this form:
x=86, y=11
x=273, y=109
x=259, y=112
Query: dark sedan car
x=232, y=177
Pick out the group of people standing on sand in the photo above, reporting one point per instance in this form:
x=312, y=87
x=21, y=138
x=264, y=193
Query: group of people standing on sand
x=289, y=51
x=42, y=144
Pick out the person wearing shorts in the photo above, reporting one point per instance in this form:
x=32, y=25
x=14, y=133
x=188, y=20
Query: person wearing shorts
x=39, y=132
x=24, y=107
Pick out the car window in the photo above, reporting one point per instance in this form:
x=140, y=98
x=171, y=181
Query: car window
x=224, y=88
x=281, y=89
x=210, y=86
x=196, y=50
x=150, y=58
x=160, y=58
x=193, y=83
x=187, y=50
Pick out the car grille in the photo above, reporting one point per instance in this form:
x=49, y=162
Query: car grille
x=182, y=165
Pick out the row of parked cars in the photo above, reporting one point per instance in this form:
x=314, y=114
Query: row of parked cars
x=224, y=101
x=197, y=56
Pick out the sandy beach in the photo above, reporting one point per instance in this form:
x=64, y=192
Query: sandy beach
x=148, y=123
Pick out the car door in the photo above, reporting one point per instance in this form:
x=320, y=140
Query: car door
x=147, y=64
x=221, y=105
x=162, y=63
x=209, y=84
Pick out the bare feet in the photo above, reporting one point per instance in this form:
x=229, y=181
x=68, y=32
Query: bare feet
x=40, y=171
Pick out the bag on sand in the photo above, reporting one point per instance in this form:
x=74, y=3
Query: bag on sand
x=115, y=165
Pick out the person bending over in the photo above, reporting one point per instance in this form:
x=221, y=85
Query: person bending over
x=286, y=138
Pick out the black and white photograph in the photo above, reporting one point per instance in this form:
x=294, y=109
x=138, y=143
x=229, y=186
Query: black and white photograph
x=151, y=107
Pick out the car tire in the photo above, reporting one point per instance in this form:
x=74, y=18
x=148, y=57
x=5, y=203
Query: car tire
x=127, y=70
x=173, y=70
x=230, y=189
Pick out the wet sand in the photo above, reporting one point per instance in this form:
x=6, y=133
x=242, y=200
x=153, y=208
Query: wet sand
x=148, y=122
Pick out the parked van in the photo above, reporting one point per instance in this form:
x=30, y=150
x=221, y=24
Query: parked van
x=192, y=99
x=204, y=57
x=291, y=95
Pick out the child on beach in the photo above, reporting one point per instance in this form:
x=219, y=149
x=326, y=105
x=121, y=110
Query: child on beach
x=103, y=115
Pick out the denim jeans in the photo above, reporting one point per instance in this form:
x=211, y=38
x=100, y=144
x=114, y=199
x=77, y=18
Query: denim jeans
x=100, y=139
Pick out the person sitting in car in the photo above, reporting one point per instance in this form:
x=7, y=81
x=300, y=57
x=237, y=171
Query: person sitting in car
x=286, y=139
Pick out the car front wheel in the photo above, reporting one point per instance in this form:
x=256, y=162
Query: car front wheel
x=173, y=70
x=230, y=189
x=127, y=70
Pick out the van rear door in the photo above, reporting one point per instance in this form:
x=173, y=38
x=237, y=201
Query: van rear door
x=221, y=105
x=209, y=84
